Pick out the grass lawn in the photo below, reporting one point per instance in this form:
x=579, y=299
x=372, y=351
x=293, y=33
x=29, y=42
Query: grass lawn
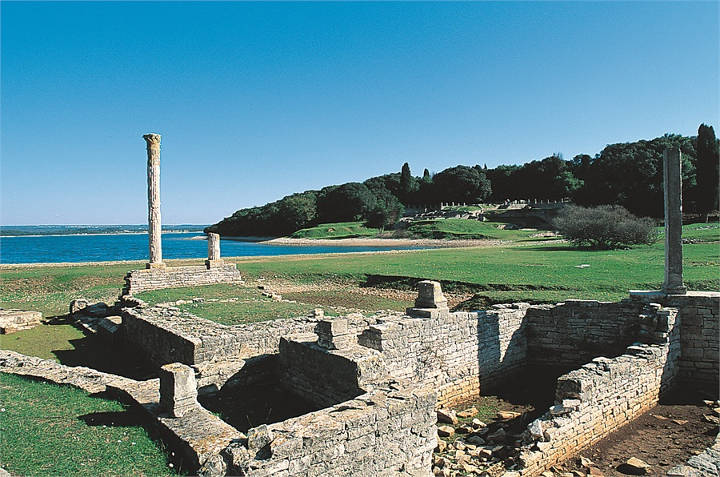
x=535, y=271
x=336, y=230
x=466, y=229
x=48, y=429
x=47, y=341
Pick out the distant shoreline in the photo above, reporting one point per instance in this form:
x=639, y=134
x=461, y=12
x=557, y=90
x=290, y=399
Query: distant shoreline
x=390, y=242
x=101, y=233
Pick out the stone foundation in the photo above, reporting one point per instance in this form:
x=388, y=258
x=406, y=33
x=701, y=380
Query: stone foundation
x=16, y=320
x=137, y=281
x=605, y=394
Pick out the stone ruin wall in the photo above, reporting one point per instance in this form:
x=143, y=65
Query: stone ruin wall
x=385, y=432
x=700, y=338
x=456, y=353
x=572, y=333
x=459, y=354
x=137, y=281
x=605, y=394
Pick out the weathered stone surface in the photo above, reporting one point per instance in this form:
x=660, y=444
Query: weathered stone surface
x=137, y=281
x=178, y=390
x=672, y=181
x=78, y=304
x=153, y=187
x=16, y=320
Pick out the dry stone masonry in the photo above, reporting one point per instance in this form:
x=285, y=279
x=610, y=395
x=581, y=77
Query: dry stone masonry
x=16, y=320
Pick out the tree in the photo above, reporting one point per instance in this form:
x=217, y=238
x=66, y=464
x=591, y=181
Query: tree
x=408, y=184
x=347, y=202
x=604, y=227
x=708, y=169
x=386, y=211
x=461, y=184
x=427, y=178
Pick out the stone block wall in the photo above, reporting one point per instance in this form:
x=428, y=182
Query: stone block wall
x=386, y=432
x=604, y=395
x=700, y=337
x=326, y=377
x=572, y=333
x=456, y=353
x=137, y=281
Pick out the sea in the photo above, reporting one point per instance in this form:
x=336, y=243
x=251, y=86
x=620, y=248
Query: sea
x=100, y=243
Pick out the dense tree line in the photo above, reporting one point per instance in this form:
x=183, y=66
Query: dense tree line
x=624, y=174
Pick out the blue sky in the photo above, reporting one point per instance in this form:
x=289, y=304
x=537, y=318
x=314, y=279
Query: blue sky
x=259, y=100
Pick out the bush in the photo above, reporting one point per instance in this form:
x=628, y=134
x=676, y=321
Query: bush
x=605, y=227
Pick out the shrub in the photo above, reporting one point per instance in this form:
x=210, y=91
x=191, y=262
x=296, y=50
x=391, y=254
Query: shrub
x=605, y=226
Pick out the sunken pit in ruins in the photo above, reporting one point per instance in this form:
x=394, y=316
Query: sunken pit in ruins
x=377, y=395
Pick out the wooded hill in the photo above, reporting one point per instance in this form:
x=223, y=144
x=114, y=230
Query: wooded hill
x=627, y=174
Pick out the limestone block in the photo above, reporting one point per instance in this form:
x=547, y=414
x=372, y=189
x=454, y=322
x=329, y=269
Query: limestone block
x=334, y=334
x=430, y=295
x=178, y=390
x=16, y=320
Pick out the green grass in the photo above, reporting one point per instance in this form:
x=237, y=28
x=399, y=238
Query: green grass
x=46, y=341
x=219, y=291
x=534, y=271
x=336, y=230
x=47, y=429
x=250, y=312
x=466, y=229
x=251, y=305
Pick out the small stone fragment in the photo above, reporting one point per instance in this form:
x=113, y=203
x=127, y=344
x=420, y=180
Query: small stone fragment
x=447, y=416
x=634, y=466
x=445, y=431
x=507, y=415
x=468, y=412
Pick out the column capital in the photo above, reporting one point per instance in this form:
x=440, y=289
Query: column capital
x=152, y=139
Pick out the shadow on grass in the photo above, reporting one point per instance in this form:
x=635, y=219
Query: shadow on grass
x=108, y=355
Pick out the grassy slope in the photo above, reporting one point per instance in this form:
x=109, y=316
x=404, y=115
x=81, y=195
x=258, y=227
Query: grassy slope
x=465, y=229
x=46, y=429
x=336, y=230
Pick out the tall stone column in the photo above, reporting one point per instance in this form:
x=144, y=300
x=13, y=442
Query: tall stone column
x=214, y=259
x=153, y=181
x=672, y=177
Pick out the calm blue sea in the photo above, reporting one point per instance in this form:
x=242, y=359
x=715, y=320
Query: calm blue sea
x=103, y=243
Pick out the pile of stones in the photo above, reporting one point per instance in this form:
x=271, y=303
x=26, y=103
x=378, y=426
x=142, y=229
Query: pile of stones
x=468, y=446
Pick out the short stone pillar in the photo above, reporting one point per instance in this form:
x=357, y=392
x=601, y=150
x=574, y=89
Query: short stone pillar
x=430, y=301
x=672, y=178
x=153, y=183
x=214, y=259
x=334, y=334
x=178, y=390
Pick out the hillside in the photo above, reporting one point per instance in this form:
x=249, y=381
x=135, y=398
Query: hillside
x=627, y=174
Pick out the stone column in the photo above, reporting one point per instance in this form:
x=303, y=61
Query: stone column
x=178, y=389
x=153, y=180
x=672, y=177
x=214, y=259
x=430, y=302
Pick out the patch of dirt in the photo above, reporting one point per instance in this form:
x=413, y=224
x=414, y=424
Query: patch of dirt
x=666, y=436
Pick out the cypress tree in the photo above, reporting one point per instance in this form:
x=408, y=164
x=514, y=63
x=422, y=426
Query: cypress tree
x=708, y=169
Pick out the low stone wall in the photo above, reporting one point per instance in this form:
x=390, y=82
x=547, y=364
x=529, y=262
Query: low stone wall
x=137, y=281
x=605, y=394
x=385, y=432
x=326, y=377
x=700, y=337
x=572, y=333
x=455, y=353
x=16, y=320
x=168, y=335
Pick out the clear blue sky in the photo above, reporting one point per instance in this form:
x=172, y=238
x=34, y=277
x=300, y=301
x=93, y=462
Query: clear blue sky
x=259, y=100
